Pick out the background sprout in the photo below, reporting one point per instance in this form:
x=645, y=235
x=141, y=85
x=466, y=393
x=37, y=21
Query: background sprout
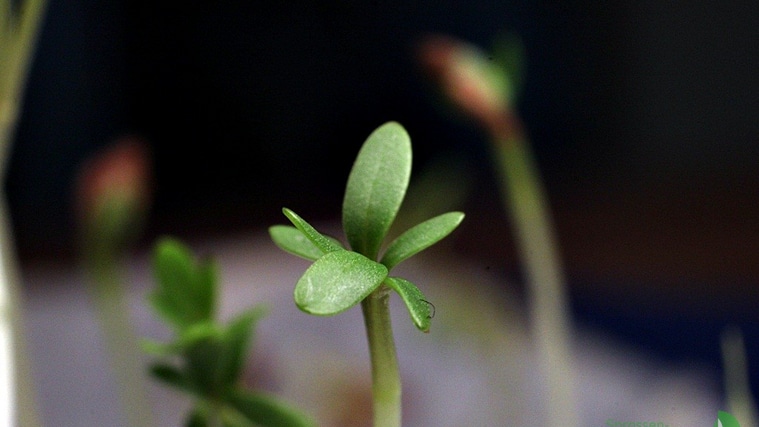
x=206, y=359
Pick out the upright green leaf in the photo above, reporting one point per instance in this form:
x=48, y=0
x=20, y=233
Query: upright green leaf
x=420, y=237
x=186, y=291
x=376, y=187
x=336, y=282
x=418, y=306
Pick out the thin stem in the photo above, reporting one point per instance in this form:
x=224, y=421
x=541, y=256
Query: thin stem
x=121, y=341
x=386, y=379
x=17, y=39
x=528, y=207
x=737, y=388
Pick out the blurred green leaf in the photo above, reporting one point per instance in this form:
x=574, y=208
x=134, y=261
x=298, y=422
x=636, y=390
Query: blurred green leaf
x=197, y=418
x=267, y=411
x=292, y=240
x=418, y=306
x=336, y=282
x=322, y=242
x=173, y=377
x=236, y=340
x=420, y=237
x=186, y=289
x=376, y=186
x=202, y=365
x=216, y=356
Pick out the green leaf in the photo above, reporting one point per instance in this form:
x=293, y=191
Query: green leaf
x=236, y=340
x=267, y=411
x=725, y=419
x=197, y=418
x=215, y=356
x=420, y=237
x=322, y=242
x=418, y=306
x=202, y=364
x=186, y=289
x=173, y=377
x=336, y=282
x=292, y=240
x=376, y=186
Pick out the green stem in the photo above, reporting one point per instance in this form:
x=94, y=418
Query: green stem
x=121, y=342
x=386, y=379
x=528, y=207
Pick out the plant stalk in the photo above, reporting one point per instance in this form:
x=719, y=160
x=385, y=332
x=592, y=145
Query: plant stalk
x=386, y=379
x=121, y=342
x=527, y=205
x=740, y=400
x=18, y=35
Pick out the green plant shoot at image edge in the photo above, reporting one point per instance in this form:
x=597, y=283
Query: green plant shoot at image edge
x=340, y=278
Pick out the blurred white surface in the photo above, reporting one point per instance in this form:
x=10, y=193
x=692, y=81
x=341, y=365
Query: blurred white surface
x=473, y=369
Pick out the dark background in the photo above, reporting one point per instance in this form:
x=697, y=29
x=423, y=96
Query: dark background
x=643, y=116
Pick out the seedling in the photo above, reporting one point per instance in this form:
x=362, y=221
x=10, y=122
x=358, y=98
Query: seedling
x=210, y=355
x=340, y=278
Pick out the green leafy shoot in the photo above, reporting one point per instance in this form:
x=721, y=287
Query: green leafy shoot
x=339, y=278
x=206, y=358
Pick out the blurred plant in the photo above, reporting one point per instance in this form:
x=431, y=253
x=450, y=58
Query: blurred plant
x=484, y=88
x=112, y=199
x=207, y=358
x=20, y=23
x=340, y=278
x=738, y=394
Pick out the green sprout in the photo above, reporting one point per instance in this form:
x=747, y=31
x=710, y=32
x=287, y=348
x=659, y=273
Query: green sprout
x=210, y=356
x=340, y=278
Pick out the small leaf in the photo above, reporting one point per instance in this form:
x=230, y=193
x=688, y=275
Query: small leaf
x=725, y=419
x=236, y=340
x=320, y=241
x=420, y=237
x=197, y=418
x=336, y=282
x=417, y=305
x=186, y=289
x=292, y=240
x=172, y=376
x=376, y=186
x=202, y=364
x=267, y=411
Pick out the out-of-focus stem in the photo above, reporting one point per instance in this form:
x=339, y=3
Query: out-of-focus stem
x=526, y=202
x=121, y=342
x=738, y=392
x=386, y=379
x=18, y=36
